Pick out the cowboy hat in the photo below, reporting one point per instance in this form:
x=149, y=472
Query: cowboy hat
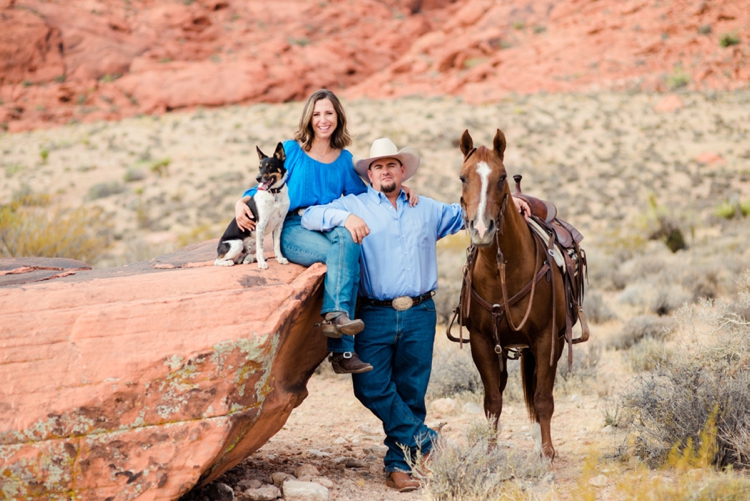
x=384, y=148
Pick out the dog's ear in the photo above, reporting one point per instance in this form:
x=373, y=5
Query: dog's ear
x=466, y=144
x=279, y=153
x=261, y=155
x=499, y=144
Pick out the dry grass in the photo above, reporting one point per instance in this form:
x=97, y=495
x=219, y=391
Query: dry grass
x=470, y=469
x=30, y=226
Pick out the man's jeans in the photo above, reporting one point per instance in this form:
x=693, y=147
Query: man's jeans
x=398, y=344
x=340, y=253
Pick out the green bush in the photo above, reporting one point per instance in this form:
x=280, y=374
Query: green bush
x=729, y=39
x=31, y=227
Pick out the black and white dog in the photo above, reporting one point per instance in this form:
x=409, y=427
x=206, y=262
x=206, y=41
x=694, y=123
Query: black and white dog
x=269, y=206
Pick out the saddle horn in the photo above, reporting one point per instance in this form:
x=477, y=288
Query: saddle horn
x=517, y=178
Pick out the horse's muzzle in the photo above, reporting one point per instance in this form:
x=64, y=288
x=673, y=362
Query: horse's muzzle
x=482, y=234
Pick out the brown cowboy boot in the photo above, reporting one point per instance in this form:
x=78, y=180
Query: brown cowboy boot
x=348, y=363
x=337, y=323
x=401, y=481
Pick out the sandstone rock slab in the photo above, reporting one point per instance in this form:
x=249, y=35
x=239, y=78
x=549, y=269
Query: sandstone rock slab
x=147, y=380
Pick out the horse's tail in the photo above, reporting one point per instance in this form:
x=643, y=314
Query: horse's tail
x=528, y=367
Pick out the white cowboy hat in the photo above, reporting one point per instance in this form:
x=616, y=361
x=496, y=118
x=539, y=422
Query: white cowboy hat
x=384, y=148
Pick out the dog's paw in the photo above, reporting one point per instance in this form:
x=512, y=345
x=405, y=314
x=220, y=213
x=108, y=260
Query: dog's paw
x=282, y=260
x=219, y=262
x=262, y=265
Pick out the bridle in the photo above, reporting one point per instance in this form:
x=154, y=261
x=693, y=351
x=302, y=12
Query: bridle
x=498, y=310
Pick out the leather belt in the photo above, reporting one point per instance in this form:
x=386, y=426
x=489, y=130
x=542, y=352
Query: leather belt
x=401, y=303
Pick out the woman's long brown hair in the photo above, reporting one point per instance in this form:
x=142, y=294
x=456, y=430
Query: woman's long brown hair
x=340, y=138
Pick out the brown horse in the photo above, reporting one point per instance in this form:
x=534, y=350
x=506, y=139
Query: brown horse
x=514, y=298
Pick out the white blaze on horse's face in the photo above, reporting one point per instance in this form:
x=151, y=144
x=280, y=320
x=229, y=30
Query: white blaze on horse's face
x=484, y=172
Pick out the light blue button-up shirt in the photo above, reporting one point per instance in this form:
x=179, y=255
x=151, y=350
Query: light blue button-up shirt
x=399, y=257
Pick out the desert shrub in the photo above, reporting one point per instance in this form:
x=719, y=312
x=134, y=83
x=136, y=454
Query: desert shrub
x=700, y=393
x=729, y=39
x=103, y=190
x=133, y=175
x=469, y=470
x=667, y=299
x=678, y=78
x=734, y=208
x=647, y=354
x=453, y=372
x=161, y=167
x=586, y=358
x=31, y=227
x=596, y=309
x=642, y=327
x=663, y=224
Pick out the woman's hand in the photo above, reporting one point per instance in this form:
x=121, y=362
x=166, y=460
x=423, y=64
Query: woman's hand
x=522, y=207
x=357, y=227
x=411, y=195
x=244, y=215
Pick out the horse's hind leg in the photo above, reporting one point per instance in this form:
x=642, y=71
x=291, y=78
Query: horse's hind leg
x=493, y=378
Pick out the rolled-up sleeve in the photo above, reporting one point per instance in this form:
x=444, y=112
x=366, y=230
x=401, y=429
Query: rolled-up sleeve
x=326, y=217
x=451, y=220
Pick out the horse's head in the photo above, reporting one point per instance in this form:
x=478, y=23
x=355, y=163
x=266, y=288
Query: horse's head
x=484, y=191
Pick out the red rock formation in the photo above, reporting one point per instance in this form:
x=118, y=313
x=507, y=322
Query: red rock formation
x=145, y=380
x=122, y=58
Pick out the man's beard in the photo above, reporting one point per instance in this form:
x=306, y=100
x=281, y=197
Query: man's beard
x=388, y=188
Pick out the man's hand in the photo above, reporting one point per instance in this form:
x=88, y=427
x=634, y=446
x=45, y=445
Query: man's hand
x=411, y=195
x=522, y=207
x=357, y=227
x=244, y=215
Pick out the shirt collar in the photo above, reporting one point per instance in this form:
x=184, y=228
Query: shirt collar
x=380, y=197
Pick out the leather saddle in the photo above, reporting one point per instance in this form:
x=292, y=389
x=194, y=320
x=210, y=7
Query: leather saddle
x=547, y=213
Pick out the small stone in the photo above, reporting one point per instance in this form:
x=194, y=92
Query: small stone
x=599, y=481
x=253, y=483
x=304, y=491
x=376, y=450
x=323, y=481
x=279, y=477
x=444, y=405
x=575, y=398
x=471, y=408
x=306, y=470
x=607, y=429
x=349, y=462
x=265, y=493
x=271, y=457
x=318, y=454
x=219, y=491
x=339, y=441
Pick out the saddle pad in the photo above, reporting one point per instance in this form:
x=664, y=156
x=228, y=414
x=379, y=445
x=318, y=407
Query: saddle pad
x=555, y=252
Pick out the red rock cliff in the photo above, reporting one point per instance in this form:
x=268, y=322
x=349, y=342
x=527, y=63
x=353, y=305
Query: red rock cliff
x=103, y=59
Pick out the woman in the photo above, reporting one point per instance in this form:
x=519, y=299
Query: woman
x=320, y=170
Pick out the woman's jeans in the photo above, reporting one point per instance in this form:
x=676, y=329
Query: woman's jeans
x=398, y=344
x=340, y=253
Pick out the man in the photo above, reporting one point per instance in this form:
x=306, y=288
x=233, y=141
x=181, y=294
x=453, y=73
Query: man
x=398, y=280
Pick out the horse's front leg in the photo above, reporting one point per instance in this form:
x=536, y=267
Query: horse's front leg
x=544, y=401
x=493, y=378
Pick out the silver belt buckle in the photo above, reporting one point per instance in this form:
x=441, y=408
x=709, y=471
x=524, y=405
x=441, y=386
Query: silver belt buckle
x=402, y=303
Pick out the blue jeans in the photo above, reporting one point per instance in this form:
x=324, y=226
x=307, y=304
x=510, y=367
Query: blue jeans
x=340, y=253
x=398, y=344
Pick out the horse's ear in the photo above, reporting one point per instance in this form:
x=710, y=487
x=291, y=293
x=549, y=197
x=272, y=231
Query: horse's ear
x=499, y=143
x=466, y=144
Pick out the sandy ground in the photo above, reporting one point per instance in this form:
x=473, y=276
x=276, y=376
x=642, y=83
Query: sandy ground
x=332, y=421
x=599, y=157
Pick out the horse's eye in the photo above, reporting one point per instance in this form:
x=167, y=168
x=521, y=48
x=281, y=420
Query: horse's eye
x=503, y=178
x=463, y=179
